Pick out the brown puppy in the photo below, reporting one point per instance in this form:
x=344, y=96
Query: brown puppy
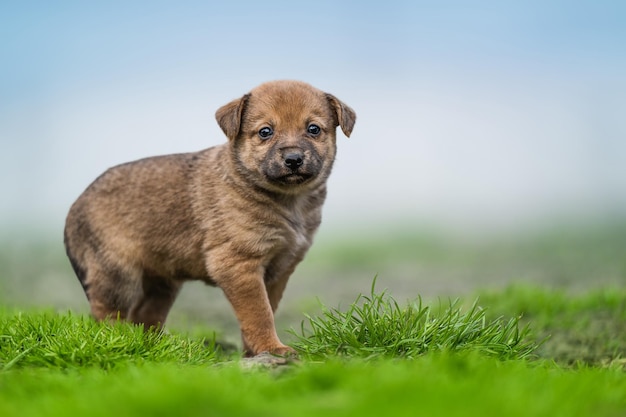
x=240, y=215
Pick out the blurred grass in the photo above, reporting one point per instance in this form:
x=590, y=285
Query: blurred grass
x=450, y=385
x=558, y=254
x=34, y=269
x=587, y=329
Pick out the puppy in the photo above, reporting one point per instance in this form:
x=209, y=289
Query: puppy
x=239, y=216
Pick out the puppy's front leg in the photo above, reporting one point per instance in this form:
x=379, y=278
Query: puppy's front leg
x=247, y=294
x=276, y=284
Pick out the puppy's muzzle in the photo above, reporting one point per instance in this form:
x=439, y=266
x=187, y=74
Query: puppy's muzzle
x=291, y=166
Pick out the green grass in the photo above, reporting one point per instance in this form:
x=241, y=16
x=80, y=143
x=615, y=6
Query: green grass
x=376, y=357
x=51, y=340
x=376, y=325
x=450, y=385
x=555, y=346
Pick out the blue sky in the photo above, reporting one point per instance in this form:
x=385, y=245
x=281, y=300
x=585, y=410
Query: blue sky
x=469, y=113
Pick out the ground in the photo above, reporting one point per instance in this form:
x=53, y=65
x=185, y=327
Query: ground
x=566, y=284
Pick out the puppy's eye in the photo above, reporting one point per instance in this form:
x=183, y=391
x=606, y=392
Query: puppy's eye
x=266, y=133
x=314, y=129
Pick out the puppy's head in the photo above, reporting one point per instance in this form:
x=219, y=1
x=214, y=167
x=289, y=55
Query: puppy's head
x=283, y=134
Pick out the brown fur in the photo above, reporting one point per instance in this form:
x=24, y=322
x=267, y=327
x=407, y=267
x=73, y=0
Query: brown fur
x=238, y=215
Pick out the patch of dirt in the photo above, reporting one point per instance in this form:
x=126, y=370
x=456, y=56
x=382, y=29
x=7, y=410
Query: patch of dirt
x=598, y=338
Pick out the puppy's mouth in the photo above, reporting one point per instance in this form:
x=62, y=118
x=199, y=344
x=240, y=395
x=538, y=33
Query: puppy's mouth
x=293, y=178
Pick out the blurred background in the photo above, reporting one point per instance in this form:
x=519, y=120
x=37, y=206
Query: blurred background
x=490, y=145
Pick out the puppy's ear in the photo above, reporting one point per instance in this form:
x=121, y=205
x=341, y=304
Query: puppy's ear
x=346, y=117
x=229, y=116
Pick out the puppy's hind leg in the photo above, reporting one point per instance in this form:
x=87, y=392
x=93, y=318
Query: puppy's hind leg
x=110, y=293
x=154, y=303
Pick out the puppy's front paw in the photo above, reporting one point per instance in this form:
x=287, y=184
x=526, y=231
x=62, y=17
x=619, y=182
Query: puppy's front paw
x=284, y=351
x=273, y=348
x=269, y=360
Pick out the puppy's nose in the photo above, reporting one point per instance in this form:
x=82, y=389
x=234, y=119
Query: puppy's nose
x=293, y=160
